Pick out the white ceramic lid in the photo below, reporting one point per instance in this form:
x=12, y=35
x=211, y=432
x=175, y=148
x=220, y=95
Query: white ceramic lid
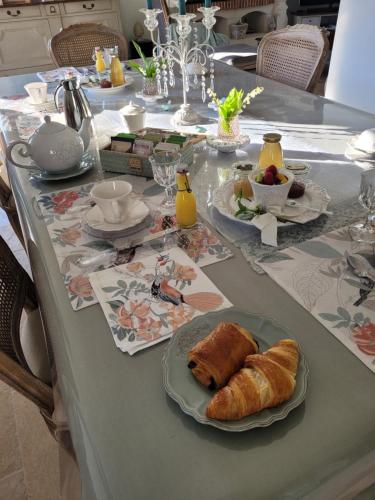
x=50, y=127
x=132, y=109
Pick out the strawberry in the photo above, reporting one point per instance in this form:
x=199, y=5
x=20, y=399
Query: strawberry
x=268, y=179
x=272, y=169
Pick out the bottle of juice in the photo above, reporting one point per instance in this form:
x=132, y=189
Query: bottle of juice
x=99, y=61
x=271, y=152
x=186, y=208
x=117, y=73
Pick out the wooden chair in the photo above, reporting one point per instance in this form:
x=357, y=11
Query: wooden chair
x=74, y=46
x=25, y=364
x=19, y=345
x=295, y=55
x=8, y=205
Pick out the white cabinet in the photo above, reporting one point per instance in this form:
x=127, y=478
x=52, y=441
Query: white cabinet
x=24, y=44
x=25, y=31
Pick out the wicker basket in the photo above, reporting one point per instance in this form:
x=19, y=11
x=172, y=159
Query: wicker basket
x=130, y=163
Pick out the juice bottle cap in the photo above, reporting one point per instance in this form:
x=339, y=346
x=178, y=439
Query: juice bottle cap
x=272, y=137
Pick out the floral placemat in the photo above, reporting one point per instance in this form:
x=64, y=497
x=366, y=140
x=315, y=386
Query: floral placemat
x=146, y=300
x=316, y=274
x=72, y=244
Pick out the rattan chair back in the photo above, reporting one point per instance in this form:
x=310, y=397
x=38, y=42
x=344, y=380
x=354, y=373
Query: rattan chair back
x=74, y=46
x=295, y=55
x=9, y=207
x=17, y=292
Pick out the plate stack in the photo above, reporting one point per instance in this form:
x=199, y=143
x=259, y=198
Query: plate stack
x=137, y=220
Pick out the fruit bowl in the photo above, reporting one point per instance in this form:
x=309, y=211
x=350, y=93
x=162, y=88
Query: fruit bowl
x=268, y=195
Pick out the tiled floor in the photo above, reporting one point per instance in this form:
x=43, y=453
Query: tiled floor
x=28, y=453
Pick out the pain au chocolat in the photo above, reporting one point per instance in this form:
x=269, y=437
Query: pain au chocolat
x=218, y=356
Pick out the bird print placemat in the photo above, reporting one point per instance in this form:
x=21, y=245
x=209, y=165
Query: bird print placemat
x=63, y=214
x=146, y=300
x=317, y=275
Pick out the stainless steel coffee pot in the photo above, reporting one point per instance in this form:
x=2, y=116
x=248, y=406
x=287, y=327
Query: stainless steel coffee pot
x=76, y=105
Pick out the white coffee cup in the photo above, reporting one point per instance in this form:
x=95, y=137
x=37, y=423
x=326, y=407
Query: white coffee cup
x=37, y=91
x=112, y=197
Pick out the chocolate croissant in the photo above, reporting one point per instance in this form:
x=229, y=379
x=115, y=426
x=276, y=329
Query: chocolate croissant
x=266, y=380
x=214, y=359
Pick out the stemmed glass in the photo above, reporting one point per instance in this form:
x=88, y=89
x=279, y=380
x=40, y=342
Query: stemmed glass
x=164, y=167
x=365, y=231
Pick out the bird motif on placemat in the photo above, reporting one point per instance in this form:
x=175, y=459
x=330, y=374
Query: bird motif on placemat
x=161, y=289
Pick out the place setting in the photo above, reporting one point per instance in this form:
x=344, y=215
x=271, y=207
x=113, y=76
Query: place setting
x=101, y=225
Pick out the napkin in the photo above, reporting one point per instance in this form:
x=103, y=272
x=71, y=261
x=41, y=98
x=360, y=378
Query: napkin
x=146, y=300
x=267, y=224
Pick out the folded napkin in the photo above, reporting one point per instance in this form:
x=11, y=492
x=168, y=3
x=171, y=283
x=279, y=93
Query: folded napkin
x=267, y=224
x=146, y=300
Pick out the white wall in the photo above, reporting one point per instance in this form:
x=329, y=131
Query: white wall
x=351, y=78
x=130, y=14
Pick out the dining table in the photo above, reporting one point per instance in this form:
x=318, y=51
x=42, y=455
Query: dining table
x=132, y=441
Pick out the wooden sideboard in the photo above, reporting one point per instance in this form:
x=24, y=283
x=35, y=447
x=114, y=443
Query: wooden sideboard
x=26, y=29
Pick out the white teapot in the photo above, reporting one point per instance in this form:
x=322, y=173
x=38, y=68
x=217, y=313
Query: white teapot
x=53, y=147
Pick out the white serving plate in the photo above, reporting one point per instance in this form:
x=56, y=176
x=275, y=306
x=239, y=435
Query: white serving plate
x=111, y=90
x=315, y=196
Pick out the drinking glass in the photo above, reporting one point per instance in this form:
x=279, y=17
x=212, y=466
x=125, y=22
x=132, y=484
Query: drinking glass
x=164, y=167
x=365, y=231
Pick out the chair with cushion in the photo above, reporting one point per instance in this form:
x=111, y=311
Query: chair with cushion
x=295, y=55
x=74, y=46
x=25, y=363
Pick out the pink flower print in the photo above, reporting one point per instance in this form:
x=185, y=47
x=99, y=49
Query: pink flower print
x=184, y=273
x=69, y=235
x=64, y=200
x=80, y=286
x=140, y=309
x=364, y=337
x=135, y=267
x=161, y=223
x=148, y=329
x=124, y=317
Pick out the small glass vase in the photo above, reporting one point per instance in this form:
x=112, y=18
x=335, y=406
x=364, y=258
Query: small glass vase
x=150, y=86
x=229, y=130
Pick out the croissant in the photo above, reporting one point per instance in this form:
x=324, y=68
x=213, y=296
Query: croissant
x=214, y=359
x=266, y=380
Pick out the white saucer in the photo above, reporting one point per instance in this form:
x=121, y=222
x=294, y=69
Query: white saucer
x=227, y=146
x=48, y=104
x=149, y=98
x=95, y=220
x=129, y=80
x=85, y=164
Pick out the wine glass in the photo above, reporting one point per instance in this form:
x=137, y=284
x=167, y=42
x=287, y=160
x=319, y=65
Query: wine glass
x=365, y=231
x=164, y=167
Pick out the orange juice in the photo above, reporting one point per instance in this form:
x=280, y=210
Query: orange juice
x=186, y=208
x=271, y=152
x=117, y=73
x=99, y=60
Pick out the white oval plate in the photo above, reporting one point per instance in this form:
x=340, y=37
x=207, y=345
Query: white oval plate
x=193, y=397
x=129, y=80
x=315, y=196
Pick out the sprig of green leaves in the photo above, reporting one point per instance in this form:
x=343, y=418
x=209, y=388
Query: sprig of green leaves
x=246, y=213
x=148, y=69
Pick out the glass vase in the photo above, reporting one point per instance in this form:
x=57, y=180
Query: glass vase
x=150, y=86
x=229, y=130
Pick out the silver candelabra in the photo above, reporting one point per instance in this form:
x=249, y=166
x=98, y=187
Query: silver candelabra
x=192, y=57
